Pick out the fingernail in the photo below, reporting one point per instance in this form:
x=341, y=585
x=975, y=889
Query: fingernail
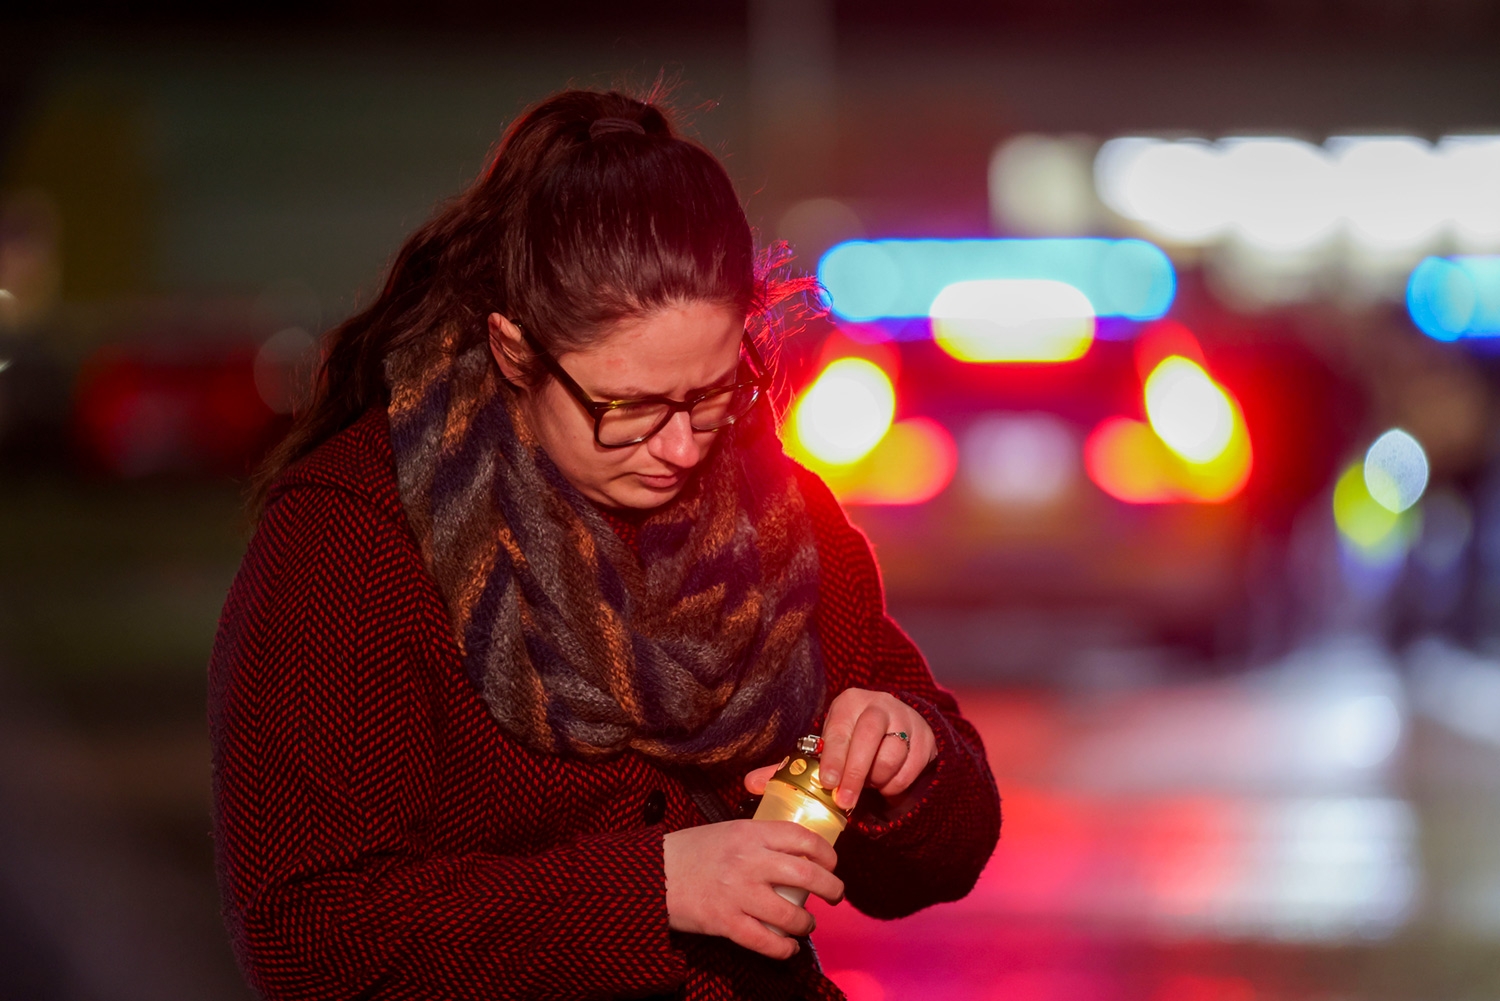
x=830, y=778
x=845, y=798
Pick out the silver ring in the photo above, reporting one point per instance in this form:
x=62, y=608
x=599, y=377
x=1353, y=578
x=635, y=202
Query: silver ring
x=902, y=734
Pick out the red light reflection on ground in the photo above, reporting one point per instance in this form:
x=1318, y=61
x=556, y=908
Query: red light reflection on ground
x=1111, y=892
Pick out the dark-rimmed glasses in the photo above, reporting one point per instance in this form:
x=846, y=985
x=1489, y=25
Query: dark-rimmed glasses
x=622, y=423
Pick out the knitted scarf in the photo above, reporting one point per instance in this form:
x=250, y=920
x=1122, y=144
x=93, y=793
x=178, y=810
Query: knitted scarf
x=699, y=651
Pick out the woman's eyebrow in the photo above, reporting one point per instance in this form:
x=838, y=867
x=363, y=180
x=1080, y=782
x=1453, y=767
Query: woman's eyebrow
x=637, y=393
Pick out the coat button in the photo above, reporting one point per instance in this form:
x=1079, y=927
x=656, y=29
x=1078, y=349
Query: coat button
x=655, y=808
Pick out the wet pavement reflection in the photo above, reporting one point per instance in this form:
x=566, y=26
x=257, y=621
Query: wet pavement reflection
x=1325, y=826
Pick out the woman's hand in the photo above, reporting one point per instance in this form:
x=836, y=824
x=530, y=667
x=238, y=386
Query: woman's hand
x=721, y=880
x=859, y=747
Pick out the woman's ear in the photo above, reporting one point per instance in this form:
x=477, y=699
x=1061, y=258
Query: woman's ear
x=507, y=347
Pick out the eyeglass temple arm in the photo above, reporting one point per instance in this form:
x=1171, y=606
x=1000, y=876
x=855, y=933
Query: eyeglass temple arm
x=754, y=353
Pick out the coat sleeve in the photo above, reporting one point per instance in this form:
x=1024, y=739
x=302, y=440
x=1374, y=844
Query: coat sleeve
x=935, y=851
x=325, y=753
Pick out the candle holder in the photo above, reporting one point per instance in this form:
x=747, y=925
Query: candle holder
x=796, y=793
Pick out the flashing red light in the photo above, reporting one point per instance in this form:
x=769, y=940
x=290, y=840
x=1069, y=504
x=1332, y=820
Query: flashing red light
x=1161, y=340
x=841, y=428
x=1196, y=447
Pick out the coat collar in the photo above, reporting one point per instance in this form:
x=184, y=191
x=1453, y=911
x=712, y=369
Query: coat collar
x=357, y=460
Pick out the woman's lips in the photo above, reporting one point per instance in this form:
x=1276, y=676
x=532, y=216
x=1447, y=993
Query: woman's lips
x=666, y=482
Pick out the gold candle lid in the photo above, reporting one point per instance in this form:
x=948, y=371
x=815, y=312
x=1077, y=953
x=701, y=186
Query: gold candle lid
x=801, y=770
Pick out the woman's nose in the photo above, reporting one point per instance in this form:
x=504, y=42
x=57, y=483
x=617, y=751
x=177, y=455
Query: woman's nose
x=677, y=444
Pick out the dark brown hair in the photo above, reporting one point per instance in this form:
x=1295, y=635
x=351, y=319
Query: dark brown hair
x=593, y=209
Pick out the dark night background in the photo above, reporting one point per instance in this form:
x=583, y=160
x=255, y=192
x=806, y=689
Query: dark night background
x=1241, y=757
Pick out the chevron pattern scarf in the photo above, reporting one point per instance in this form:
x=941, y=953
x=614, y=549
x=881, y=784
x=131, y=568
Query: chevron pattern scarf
x=700, y=651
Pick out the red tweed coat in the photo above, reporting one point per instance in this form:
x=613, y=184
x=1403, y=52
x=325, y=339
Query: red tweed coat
x=378, y=836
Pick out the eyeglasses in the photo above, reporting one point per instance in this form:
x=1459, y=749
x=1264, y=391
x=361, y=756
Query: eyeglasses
x=621, y=423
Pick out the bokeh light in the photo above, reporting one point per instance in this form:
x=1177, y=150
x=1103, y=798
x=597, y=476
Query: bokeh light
x=894, y=279
x=1175, y=186
x=1013, y=320
x=1471, y=164
x=815, y=224
x=1190, y=412
x=1160, y=340
x=283, y=369
x=1225, y=475
x=1391, y=189
x=1396, y=470
x=1043, y=185
x=1026, y=459
x=863, y=280
x=1196, y=446
x=1129, y=462
x=1285, y=196
x=912, y=464
x=841, y=428
x=845, y=412
x=1364, y=731
x=1453, y=297
x=1376, y=533
x=1280, y=193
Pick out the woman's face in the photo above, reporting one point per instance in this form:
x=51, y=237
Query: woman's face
x=675, y=352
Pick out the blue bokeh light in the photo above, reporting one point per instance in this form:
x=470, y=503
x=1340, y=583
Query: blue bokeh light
x=898, y=279
x=1453, y=297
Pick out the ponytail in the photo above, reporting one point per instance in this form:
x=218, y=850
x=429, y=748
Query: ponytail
x=593, y=209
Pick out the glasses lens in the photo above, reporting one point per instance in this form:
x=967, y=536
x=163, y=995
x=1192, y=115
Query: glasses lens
x=724, y=407
x=632, y=422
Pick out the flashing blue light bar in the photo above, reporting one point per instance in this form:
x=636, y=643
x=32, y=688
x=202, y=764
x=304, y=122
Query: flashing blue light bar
x=1453, y=297
x=898, y=279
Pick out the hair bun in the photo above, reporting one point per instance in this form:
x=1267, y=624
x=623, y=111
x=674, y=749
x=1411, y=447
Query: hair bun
x=608, y=126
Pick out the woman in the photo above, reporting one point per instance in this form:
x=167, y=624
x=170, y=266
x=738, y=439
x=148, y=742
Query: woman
x=535, y=599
